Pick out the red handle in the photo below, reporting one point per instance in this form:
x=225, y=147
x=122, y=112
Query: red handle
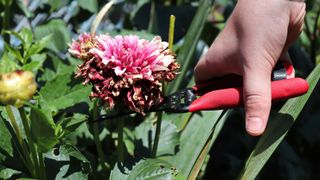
x=232, y=97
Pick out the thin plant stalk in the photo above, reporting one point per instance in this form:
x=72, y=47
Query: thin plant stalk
x=14, y=123
x=120, y=140
x=100, y=16
x=6, y=20
x=31, y=144
x=22, y=149
x=159, y=114
x=42, y=166
x=171, y=31
x=157, y=135
x=95, y=114
x=152, y=26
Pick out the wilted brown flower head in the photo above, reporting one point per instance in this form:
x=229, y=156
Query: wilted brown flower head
x=125, y=68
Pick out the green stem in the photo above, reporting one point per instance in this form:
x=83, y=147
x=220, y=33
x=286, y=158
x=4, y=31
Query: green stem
x=14, y=123
x=152, y=26
x=157, y=135
x=31, y=144
x=22, y=148
x=6, y=21
x=120, y=140
x=95, y=114
x=171, y=31
x=42, y=167
x=164, y=87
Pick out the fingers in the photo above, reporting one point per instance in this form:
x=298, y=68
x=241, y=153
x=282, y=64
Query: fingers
x=257, y=99
x=221, y=58
x=286, y=60
x=296, y=22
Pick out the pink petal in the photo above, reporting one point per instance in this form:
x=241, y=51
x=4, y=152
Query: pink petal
x=119, y=71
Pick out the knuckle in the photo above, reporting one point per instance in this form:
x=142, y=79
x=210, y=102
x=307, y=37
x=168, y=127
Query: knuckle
x=256, y=102
x=298, y=14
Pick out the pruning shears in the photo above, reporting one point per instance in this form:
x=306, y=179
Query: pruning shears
x=226, y=92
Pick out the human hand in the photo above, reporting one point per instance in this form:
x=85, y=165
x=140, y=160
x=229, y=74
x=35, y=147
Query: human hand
x=256, y=36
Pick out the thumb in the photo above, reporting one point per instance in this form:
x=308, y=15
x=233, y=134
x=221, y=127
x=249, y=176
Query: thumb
x=257, y=99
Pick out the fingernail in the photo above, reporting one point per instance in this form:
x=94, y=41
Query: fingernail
x=254, y=126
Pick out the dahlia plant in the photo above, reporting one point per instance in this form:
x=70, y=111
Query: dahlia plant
x=125, y=69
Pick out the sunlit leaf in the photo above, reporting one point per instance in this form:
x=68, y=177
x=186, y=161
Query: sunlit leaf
x=60, y=34
x=55, y=4
x=37, y=47
x=5, y=143
x=128, y=138
x=90, y=5
x=7, y=64
x=54, y=66
x=169, y=137
x=66, y=92
x=36, y=63
x=201, y=131
x=43, y=130
x=119, y=171
x=153, y=169
x=24, y=8
x=7, y=173
x=67, y=162
x=15, y=53
x=70, y=124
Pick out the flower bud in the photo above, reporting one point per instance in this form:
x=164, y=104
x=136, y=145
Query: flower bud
x=17, y=87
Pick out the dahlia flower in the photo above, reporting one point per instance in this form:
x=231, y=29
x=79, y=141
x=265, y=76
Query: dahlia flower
x=125, y=69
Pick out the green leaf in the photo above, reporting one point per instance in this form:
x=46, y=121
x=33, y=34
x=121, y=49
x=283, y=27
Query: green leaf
x=184, y=56
x=119, y=172
x=67, y=162
x=14, y=52
x=7, y=173
x=153, y=169
x=55, y=66
x=36, y=63
x=24, y=9
x=7, y=64
x=90, y=5
x=128, y=138
x=43, y=130
x=201, y=131
x=72, y=151
x=26, y=38
x=6, y=146
x=37, y=47
x=178, y=119
x=70, y=124
x=18, y=35
x=169, y=137
x=55, y=4
x=6, y=2
x=63, y=92
x=60, y=34
x=279, y=125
